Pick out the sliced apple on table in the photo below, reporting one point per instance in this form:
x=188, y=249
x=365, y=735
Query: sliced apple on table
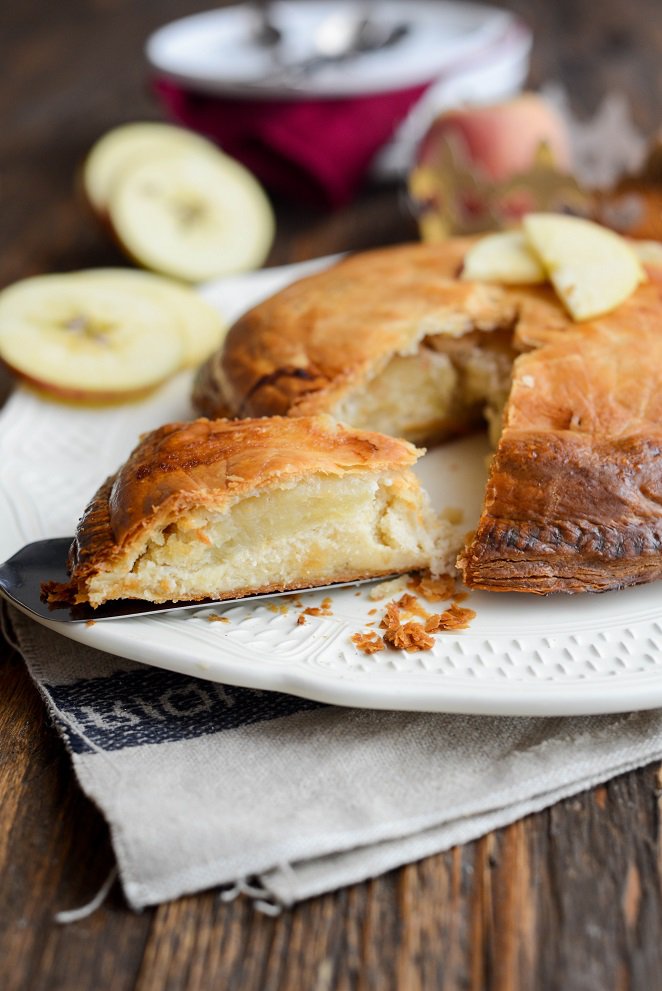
x=191, y=214
x=82, y=341
x=125, y=144
x=592, y=269
x=176, y=204
x=504, y=258
x=202, y=327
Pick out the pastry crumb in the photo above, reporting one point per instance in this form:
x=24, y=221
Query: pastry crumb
x=215, y=618
x=410, y=605
x=324, y=608
x=433, y=589
x=404, y=636
x=453, y=618
x=391, y=618
x=410, y=636
x=278, y=607
x=385, y=589
x=369, y=643
x=91, y=622
x=301, y=620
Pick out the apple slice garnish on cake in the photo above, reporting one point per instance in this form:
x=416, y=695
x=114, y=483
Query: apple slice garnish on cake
x=592, y=269
x=505, y=258
x=648, y=252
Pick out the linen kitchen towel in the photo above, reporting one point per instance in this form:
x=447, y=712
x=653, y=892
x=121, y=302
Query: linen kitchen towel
x=206, y=785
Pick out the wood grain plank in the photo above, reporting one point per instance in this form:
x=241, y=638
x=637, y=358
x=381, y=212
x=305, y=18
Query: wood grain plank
x=570, y=898
x=543, y=896
x=56, y=854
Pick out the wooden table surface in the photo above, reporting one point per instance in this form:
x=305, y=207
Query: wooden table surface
x=569, y=898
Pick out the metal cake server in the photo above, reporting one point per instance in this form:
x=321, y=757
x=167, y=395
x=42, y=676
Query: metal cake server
x=22, y=575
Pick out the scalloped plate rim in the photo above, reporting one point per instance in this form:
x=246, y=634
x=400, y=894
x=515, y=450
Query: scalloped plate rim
x=555, y=627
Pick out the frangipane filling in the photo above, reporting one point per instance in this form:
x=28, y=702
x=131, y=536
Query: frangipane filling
x=316, y=531
x=448, y=386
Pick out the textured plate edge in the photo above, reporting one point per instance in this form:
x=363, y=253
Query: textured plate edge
x=399, y=696
x=593, y=696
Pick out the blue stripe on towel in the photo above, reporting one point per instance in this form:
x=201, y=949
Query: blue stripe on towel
x=134, y=708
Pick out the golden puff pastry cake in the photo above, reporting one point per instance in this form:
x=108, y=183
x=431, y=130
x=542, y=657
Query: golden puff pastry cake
x=222, y=509
x=394, y=340
x=388, y=340
x=574, y=495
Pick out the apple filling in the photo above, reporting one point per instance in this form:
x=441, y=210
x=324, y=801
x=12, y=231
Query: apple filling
x=447, y=387
x=316, y=531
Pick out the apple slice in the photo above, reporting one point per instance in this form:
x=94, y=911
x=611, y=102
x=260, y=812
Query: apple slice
x=202, y=327
x=86, y=342
x=192, y=214
x=125, y=144
x=648, y=252
x=592, y=269
x=505, y=258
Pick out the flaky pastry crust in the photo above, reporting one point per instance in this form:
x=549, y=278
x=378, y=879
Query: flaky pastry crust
x=210, y=465
x=301, y=351
x=574, y=497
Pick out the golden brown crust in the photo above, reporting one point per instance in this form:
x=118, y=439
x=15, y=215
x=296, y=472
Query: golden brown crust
x=300, y=351
x=209, y=464
x=436, y=589
x=574, y=497
x=573, y=500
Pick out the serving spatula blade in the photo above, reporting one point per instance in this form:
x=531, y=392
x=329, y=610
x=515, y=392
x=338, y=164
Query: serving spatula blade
x=22, y=576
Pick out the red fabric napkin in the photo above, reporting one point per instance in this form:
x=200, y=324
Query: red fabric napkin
x=312, y=151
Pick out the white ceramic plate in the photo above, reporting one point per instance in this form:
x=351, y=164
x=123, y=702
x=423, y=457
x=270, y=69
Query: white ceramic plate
x=215, y=52
x=522, y=655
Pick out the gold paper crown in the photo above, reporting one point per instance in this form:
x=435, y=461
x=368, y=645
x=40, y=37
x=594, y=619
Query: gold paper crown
x=614, y=181
x=452, y=196
x=634, y=205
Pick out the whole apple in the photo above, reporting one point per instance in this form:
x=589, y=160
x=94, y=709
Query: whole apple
x=468, y=165
x=501, y=140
